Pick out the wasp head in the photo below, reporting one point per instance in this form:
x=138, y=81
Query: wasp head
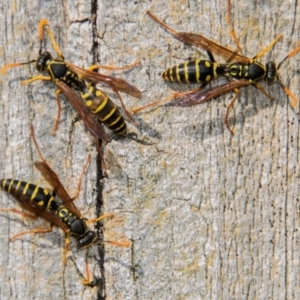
x=42, y=61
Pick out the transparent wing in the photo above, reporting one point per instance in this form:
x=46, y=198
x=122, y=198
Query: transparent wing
x=87, y=117
x=116, y=84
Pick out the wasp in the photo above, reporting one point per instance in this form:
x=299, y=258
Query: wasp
x=242, y=72
x=69, y=77
x=40, y=202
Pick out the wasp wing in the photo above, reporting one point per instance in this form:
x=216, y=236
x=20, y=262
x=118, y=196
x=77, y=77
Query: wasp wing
x=198, y=40
x=116, y=84
x=26, y=202
x=90, y=121
x=200, y=96
x=57, y=186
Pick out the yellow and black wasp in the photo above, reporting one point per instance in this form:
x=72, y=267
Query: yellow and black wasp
x=243, y=71
x=69, y=77
x=40, y=202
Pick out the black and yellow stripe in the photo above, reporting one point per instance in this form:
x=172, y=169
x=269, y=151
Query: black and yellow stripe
x=76, y=225
x=29, y=193
x=96, y=101
x=58, y=70
x=40, y=196
x=104, y=109
x=197, y=71
x=253, y=71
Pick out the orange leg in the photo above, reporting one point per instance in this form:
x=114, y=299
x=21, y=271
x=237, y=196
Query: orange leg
x=55, y=126
x=85, y=166
x=35, y=78
x=124, y=244
x=258, y=86
x=227, y=111
x=128, y=67
x=37, y=148
x=293, y=100
x=126, y=111
x=87, y=280
x=13, y=210
x=232, y=32
x=67, y=247
x=106, y=216
x=41, y=230
x=167, y=99
x=45, y=24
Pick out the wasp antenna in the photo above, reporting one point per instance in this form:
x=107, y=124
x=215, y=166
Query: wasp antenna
x=268, y=48
x=4, y=69
x=153, y=17
x=293, y=100
x=124, y=244
x=292, y=53
x=32, y=134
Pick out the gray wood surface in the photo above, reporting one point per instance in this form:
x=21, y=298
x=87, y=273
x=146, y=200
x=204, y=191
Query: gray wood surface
x=210, y=215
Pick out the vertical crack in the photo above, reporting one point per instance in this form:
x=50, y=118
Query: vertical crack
x=95, y=46
x=101, y=295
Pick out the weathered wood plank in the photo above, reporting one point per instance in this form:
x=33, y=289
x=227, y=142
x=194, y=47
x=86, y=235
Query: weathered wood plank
x=211, y=216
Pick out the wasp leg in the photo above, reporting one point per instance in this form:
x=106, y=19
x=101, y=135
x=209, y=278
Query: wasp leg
x=87, y=279
x=163, y=100
x=126, y=111
x=27, y=215
x=55, y=126
x=67, y=247
x=231, y=29
x=85, y=166
x=35, y=144
x=258, y=86
x=293, y=100
x=124, y=68
x=40, y=230
x=45, y=24
x=106, y=216
x=138, y=109
x=228, y=108
x=124, y=244
x=35, y=78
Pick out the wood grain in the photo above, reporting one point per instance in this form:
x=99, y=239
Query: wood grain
x=210, y=215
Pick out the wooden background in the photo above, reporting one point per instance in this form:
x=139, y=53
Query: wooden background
x=210, y=215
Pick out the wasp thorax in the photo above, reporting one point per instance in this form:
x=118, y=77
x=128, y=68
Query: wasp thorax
x=271, y=72
x=42, y=61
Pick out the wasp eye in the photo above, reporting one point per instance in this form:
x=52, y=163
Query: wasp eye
x=42, y=61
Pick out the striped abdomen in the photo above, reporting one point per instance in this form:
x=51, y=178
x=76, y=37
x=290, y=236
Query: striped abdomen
x=30, y=195
x=24, y=191
x=104, y=109
x=197, y=71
